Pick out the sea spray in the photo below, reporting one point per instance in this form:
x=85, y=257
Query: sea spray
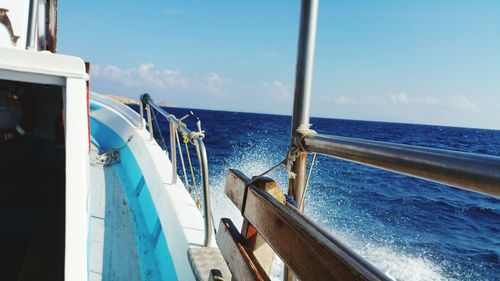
x=397, y=265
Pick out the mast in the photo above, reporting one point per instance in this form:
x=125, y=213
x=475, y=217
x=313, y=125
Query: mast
x=302, y=97
x=42, y=25
x=301, y=101
x=52, y=26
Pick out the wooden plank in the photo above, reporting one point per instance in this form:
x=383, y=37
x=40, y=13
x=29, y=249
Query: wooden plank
x=259, y=247
x=239, y=258
x=235, y=187
x=311, y=252
x=236, y=182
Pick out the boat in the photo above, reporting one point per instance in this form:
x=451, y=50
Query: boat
x=90, y=189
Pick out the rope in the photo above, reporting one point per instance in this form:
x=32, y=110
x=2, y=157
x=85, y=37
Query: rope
x=303, y=131
x=108, y=158
x=282, y=162
x=293, y=153
x=195, y=185
x=163, y=144
x=196, y=135
x=111, y=156
x=182, y=161
x=308, y=177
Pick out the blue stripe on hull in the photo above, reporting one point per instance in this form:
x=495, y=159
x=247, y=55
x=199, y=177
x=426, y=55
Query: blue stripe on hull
x=156, y=261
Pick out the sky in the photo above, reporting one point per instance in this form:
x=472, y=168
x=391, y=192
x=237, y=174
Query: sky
x=425, y=62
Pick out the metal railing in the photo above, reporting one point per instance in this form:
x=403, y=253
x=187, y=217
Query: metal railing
x=196, y=139
x=474, y=172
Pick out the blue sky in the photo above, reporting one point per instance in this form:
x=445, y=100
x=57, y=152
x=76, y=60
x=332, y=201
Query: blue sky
x=430, y=62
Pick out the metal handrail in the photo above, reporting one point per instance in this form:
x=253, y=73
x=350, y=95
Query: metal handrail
x=146, y=99
x=473, y=172
x=196, y=138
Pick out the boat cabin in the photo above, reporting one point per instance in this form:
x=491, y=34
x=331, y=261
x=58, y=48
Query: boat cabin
x=43, y=146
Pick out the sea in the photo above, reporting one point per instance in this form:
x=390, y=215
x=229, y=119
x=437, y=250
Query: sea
x=409, y=228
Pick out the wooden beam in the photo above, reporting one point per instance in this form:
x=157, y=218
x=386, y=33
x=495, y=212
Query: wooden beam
x=239, y=258
x=235, y=188
x=259, y=247
x=311, y=252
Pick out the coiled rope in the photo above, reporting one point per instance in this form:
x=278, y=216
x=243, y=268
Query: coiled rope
x=112, y=156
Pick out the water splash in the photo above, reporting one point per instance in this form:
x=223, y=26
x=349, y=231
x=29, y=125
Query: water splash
x=385, y=255
x=251, y=161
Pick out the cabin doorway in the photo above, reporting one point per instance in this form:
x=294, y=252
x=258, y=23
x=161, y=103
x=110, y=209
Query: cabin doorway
x=32, y=182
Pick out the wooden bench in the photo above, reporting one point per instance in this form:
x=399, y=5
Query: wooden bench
x=271, y=225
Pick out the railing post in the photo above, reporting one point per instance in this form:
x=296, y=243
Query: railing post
x=173, y=154
x=197, y=140
x=301, y=103
x=302, y=98
x=150, y=121
x=202, y=157
x=141, y=113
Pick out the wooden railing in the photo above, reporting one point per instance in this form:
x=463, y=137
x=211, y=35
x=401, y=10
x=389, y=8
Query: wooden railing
x=271, y=225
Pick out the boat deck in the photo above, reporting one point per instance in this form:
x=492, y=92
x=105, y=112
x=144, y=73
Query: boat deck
x=113, y=253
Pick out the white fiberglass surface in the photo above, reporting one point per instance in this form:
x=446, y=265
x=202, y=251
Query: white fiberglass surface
x=113, y=251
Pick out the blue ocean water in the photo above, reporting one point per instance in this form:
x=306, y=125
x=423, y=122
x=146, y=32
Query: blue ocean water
x=410, y=228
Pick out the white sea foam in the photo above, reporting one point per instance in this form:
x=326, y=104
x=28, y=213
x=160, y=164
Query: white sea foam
x=248, y=163
x=387, y=257
x=397, y=265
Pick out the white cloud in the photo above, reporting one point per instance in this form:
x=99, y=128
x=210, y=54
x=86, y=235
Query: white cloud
x=399, y=98
x=277, y=89
x=143, y=76
x=146, y=76
x=462, y=102
x=459, y=102
x=215, y=84
x=345, y=100
x=430, y=100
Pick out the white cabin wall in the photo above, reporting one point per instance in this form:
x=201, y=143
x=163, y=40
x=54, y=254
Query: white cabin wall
x=77, y=179
x=69, y=73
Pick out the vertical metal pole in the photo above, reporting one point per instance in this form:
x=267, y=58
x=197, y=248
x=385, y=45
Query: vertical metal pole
x=141, y=113
x=32, y=38
x=173, y=153
x=150, y=122
x=303, y=81
x=302, y=98
x=207, y=209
